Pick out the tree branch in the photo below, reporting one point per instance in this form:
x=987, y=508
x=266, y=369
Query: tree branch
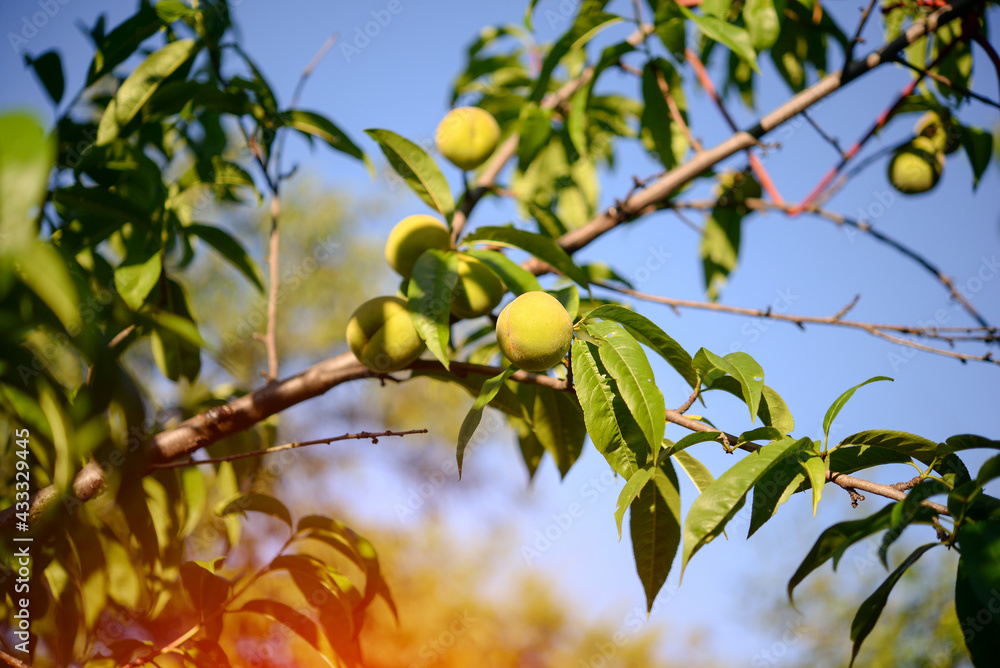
x=763, y=205
x=362, y=435
x=238, y=415
x=653, y=196
x=876, y=329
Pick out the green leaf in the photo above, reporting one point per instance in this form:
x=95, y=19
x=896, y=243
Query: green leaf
x=649, y=333
x=193, y=487
x=116, y=47
x=48, y=69
x=261, y=503
x=772, y=410
x=228, y=174
x=529, y=445
x=735, y=38
x=26, y=156
x=140, y=85
x=313, y=124
x=534, y=127
x=429, y=299
x=692, y=439
x=655, y=525
x=543, y=248
x=918, y=447
x=44, y=271
x=835, y=540
x=355, y=547
x=229, y=248
x=136, y=280
x=868, y=613
x=416, y=168
x=556, y=420
x=293, y=619
x=966, y=442
x=472, y=419
x=587, y=25
x=762, y=22
x=775, y=488
x=835, y=408
x=815, y=469
x=718, y=504
x=909, y=510
x=698, y=472
x=850, y=459
x=569, y=297
x=740, y=366
x=978, y=146
x=656, y=119
x=626, y=362
x=628, y=494
x=207, y=591
x=720, y=247
x=983, y=640
x=173, y=10
x=610, y=424
x=516, y=279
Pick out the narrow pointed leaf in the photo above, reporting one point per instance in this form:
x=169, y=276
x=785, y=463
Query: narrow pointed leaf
x=655, y=525
x=261, y=503
x=472, y=419
x=293, y=619
x=625, y=360
x=228, y=247
x=868, y=613
x=140, y=85
x=586, y=26
x=698, y=472
x=649, y=333
x=717, y=504
x=516, y=279
x=135, y=281
x=429, y=299
x=815, y=469
x=835, y=540
x=556, y=421
x=834, y=410
x=628, y=494
x=417, y=168
x=728, y=34
x=543, y=248
x=611, y=427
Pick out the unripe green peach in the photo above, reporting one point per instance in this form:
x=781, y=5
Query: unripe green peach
x=916, y=167
x=382, y=336
x=940, y=129
x=410, y=238
x=478, y=290
x=467, y=136
x=534, y=331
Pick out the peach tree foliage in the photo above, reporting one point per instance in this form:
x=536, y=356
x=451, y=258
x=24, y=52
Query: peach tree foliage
x=100, y=217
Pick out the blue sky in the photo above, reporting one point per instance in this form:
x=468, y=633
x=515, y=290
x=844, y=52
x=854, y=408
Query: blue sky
x=400, y=80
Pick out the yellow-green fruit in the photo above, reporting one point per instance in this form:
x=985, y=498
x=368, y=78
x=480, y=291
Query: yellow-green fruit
x=410, y=238
x=382, y=336
x=478, y=290
x=940, y=130
x=467, y=136
x=916, y=167
x=534, y=331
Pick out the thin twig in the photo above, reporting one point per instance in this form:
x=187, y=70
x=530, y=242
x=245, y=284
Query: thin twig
x=12, y=661
x=675, y=112
x=876, y=329
x=362, y=435
x=946, y=281
x=948, y=82
x=857, y=33
x=832, y=141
